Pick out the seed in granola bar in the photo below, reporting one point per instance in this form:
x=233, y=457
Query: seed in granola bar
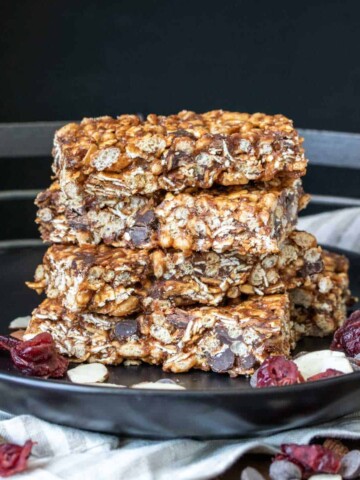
x=223, y=361
x=126, y=328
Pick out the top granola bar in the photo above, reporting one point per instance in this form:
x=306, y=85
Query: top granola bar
x=128, y=155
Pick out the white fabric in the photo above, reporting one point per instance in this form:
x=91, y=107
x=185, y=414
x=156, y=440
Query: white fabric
x=69, y=454
x=340, y=228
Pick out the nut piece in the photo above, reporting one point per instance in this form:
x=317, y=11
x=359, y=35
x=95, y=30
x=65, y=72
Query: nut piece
x=313, y=363
x=325, y=476
x=158, y=386
x=20, y=322
x=284, y=470
x=350, y=465
x=88, y=373
x=250, y=473
x=112, y=385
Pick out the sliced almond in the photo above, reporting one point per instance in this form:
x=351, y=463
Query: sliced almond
x=88, y=373
x=325, y=476
x=313, y=363
x=20, y=322
x=19, y=334
x=158, y=386
x=106, y=385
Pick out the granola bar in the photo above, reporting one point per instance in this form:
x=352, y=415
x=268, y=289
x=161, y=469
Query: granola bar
x=319, y=306
x=250, y=220
x=119, y=157
x=233, y=339
x=117, y=281
x=127, y=222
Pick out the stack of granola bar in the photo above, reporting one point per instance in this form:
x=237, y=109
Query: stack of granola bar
x=174, y=243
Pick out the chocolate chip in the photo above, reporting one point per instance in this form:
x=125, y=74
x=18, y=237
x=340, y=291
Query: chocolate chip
x=126, y=328
x=145, y=223
x=174, y=159
x=179, y=319
x=250, y=473
x=311, y=268
x=182, y=133
x=145, y=219
x=222, y=362
x=79, y=223
x=284, y=470
x=350, y=465
x=156, y=290
x=246, y=361
x=139, y=235
x=223, y=335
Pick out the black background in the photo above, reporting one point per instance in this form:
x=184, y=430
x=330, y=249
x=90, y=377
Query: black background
x=64, y=60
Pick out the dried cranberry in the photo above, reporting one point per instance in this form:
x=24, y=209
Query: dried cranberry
x=311, y=458
x=330, y=372
x=13, y=458
x=37, y=357
x=278, y=371
x=6, y=343
x=347, y=337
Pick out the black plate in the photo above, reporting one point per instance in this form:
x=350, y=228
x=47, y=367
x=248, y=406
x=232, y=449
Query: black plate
x=211, y=406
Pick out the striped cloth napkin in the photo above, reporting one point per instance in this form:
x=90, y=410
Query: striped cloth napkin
x=69, y=454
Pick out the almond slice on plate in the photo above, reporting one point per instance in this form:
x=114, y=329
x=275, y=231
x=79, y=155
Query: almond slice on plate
x=20, y=322
x=88, y=373
x=158, y=386
x=19, y=334
x=325, y=476
x=312, y=363
x=106, y=385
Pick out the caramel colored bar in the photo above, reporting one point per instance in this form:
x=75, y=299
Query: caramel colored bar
x=252, y=220
x=233, y=340
x=117, y=281
x=318, y=307
x=112, y=158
